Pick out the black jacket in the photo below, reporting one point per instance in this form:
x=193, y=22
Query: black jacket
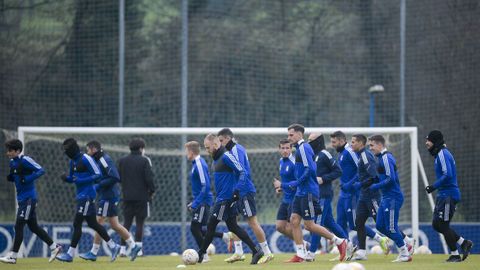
x=136, y=177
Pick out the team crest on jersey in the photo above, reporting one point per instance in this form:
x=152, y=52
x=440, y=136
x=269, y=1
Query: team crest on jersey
x=307, y=214
x=286, y=169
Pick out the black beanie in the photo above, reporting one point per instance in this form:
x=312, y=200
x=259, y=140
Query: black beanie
x=71, y=147
x=436, y=137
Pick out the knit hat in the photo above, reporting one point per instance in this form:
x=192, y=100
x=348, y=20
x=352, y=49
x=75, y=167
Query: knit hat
x=436, y=137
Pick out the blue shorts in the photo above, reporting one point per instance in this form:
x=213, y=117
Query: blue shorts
x=367, y=208
x=86, y=208
x=107, y=208
x=26, y=210
x=200, y=214
x=284, y=211
x=444, y=208
x=306, y=206
x=224, y=210
x=247, y=206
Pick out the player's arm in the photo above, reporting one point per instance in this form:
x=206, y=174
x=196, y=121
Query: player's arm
x=92, y=168
x=36, y=169
x=148, y=173
x=447, y=171
x=389, y=168
x=111, y=172
x=202, y=174
x=233, y=163
x=335, y=170
x=307, y=170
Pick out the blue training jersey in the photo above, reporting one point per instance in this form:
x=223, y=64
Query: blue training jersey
x=305, y=171
x=367, y=169
x=23, y=172
x=287, y=177
x=239, y=152
x=200, y=180
x=84, y=172
x=389, y=183
x=446, y=174
x=348, y=161
x=328, y=169
x=107, y=185
x=227, y=174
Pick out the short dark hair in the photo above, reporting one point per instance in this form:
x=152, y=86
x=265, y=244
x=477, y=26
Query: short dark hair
x=283, y=141
x=14, y=144
x=361, y=138
x=297, y=128
x=94, y=144
x=225, y=132
x=69, y=142
x=339, y=135
x=136, y=143
x=377, y=138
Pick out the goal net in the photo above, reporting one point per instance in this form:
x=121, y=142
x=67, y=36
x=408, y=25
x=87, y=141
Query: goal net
x=165, y=148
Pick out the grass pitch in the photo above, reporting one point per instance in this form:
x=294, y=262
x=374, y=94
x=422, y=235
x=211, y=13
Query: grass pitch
x=375, y=262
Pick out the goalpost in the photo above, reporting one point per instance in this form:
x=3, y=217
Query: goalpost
x=165, y=147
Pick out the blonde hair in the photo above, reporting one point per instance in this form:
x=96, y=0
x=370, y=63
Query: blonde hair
x=193, y=146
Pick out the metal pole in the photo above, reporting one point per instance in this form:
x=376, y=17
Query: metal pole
x=403, y=11
x=184, y=61
x=121, y=59
x=372, y=110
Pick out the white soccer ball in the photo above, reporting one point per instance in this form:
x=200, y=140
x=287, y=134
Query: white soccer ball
x=190, y=257
x=356, y=266
x=376, y=250
x=423, y=250
x=173, y=254
x=342, y=266
x=211, y=250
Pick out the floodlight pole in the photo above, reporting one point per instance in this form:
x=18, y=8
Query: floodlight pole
x=121, y=60
x=371, y=91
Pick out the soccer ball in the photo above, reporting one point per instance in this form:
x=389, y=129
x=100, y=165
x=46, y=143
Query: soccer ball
x=190, y=257
x=356, y=266
x=376, y=250
x=334, y=250
x=211, y=250
x=342, y=266
x=423, y=250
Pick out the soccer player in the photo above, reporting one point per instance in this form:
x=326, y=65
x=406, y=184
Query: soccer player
x=227, y=174
x=109, y=196
x=327, y=171
x=24, y=172
x=392, y=196
x=83, y=173
x=305, y=203
x=287, y=176
x=246, y=203
x=136, y=178
x=448, y=195
x=203, y=197
x=347, y=201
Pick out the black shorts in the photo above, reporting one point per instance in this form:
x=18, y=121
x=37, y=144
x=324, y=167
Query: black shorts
x=284, y=211
x=224, y=210
x=139, y=209
x=367, y=208
x=26, y=210
x=107, y=208
x=200, y=214
x=86, y=208
x=247, y=206
x=444, y=208
x=306, y=206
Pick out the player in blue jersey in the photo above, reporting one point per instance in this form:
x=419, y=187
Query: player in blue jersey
x=392, y=196
x=367, y=204
x=448, y=195
x=328, y=170
x=24, y=172
x=109, y=197
x=347, y=201
x=246, y=204
x=306, y=201
x=83, y=172
x=228, y=174
x=202, y=196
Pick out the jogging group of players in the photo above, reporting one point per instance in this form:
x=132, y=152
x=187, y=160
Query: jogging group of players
x=369, y=187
